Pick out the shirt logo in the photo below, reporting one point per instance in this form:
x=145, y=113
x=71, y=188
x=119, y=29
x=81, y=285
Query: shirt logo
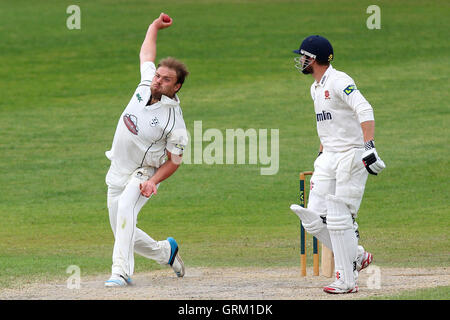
x=179, y=146
x=131, y=123
x=350, y=89
x=138, y=96
x=323, y=116
x=154, y=122
x=327, y=94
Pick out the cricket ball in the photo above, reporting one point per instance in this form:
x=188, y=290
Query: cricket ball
x=166, y=18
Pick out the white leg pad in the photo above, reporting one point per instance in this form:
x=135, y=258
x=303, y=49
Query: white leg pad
x=316, y=201
x=313, y=224
x=343, y=238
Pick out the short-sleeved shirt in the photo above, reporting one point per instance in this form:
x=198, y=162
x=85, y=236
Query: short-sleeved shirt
x=144, y=132
x=340, y=108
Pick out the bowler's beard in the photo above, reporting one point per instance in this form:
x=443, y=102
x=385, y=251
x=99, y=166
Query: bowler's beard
x=156, y=94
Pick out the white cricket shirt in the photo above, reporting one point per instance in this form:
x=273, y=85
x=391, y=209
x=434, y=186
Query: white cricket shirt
x=340, y=108
x=144, y=132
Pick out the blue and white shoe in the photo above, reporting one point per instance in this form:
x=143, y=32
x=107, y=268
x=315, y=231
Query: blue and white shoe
x=175, y=260
x=117, y=280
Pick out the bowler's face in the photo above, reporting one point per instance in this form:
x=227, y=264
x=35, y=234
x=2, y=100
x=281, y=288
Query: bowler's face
x=164, y=83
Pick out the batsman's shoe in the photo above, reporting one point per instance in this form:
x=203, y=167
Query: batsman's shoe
x=175, y=260
x=118, y=281
x=364, y=260
x=338, y=287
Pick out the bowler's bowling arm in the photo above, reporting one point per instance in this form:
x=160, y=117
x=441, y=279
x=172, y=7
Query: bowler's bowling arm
x=148, y=48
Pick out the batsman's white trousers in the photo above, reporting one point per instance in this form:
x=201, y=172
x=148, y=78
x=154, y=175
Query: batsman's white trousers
x=341, y=174
x=124, y=203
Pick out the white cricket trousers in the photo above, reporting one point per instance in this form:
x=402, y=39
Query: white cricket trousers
x=337, y=188
x=341, y=174
x=124, y=203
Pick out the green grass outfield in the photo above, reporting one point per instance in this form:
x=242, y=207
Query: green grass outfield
x=62, y=92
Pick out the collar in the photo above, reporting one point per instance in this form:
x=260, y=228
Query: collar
x=165, y=101
x=325, y=77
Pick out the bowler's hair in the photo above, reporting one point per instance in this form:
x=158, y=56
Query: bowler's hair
x=179, y=67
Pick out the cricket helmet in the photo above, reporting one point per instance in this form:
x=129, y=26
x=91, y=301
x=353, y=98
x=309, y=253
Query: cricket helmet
x=314, y=47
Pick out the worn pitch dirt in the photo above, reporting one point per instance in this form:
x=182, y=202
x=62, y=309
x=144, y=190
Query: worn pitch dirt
x=234, y=284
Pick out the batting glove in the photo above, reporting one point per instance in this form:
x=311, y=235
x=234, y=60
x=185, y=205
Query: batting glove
x=371, y=160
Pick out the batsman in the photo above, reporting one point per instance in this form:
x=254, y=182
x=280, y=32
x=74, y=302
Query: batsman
x=347, y=155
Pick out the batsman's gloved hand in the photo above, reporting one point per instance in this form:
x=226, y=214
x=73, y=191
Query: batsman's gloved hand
x=371, y=160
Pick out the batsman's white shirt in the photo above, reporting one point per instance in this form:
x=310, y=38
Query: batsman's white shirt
x=340, y=108
x=144, y=132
